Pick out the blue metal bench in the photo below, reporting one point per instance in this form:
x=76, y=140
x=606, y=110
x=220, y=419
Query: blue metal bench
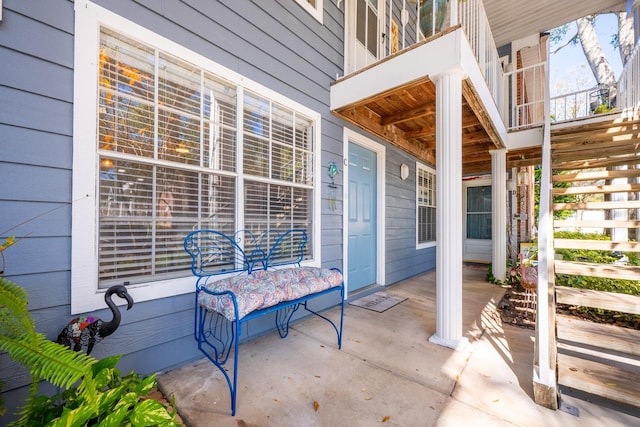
x=257, y=279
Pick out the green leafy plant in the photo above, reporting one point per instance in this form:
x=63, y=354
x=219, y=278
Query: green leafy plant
x=94, y=391
x=598, y=257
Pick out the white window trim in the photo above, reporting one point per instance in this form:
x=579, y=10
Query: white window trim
x=85, y=295
x=316, y=11
x=420, y=166
x=481, y=181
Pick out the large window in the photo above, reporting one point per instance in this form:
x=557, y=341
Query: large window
x=179, y=144
x=426, y=206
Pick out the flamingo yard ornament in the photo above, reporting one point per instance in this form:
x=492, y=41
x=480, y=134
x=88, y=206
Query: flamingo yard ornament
x=86, y=331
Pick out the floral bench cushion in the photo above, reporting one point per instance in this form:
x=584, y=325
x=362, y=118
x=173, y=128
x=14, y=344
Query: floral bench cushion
x=266, y=288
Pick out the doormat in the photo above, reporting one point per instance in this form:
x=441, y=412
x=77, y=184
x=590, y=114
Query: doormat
x=379, y=301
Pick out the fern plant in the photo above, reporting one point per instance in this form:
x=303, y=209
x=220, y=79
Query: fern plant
x=44, y=359
x=94, y=391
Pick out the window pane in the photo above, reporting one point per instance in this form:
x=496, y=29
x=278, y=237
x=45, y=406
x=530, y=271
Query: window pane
x=257, y=136
x=125, y=244
x=361, y=21
x=426, y=206
x=126, y=94
x=277, y=207
x=479, y=199
x=218, y=203
x=304, y=150
x=479, y=212
x=372, y=32
x=219, y=136
x=479, y=226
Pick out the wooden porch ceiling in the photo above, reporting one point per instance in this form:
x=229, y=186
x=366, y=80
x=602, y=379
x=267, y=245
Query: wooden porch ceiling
x=406, y=118
x=598, y=141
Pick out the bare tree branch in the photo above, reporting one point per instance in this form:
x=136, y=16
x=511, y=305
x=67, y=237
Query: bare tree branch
x=572, y=40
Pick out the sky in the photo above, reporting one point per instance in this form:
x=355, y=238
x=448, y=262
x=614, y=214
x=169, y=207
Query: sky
x=569, y=69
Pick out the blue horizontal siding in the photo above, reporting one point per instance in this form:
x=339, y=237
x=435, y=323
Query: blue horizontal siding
x=35, y=147
x=29, y=32
x=28, y=110
x=14, y=64
x=276, y=44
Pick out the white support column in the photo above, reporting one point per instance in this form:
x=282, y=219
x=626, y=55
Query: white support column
x=449, y=210
x=499, y=213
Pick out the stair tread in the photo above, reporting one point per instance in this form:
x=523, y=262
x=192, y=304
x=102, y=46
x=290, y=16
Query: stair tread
x=611, y=382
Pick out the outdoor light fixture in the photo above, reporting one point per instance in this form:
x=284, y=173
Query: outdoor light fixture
x=404, y=171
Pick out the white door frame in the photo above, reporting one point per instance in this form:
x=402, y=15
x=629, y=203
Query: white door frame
x=379, y=149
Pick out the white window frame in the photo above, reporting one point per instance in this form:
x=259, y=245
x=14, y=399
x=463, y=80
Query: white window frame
x=316, y=11
x=85, y=295
x=419, y=167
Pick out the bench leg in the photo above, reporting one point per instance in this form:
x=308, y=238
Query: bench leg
x=283, y=317
x=216, y=336
x=338, y=329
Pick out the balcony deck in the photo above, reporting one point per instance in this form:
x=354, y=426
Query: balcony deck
x=395, y=99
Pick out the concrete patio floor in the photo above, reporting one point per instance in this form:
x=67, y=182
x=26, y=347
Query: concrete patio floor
x=387, y=372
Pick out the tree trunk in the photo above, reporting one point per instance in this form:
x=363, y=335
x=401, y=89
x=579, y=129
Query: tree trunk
x=625, y=36
x=594, y=54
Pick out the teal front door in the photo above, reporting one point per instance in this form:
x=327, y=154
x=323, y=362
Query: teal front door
x=362, y=225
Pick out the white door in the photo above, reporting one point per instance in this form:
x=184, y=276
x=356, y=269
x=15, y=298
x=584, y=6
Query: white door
x=477, y=221
x=364, y=27
x=362, y=193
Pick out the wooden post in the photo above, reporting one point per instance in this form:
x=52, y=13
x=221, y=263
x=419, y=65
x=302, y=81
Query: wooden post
x=545, y=364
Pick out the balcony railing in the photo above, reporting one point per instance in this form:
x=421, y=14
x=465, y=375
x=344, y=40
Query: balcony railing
x=527, y=87
x=628, y=96
x=582, y=103
x=473, y=18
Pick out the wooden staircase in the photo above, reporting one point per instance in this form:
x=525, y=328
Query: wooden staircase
x=602, y=360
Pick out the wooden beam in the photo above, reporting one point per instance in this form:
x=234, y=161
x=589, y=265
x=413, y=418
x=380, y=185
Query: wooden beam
x=573, y=268
x=403, y=116
x=591, y=135
x=604, y=245
x=468, y=121
x=366, y=120
x=596, y=175
x=472, y=98
x=594, y=163
x=597, y=189
x=599, y=299
x=610, y=337
x=599, y=379
x=603, y=223
x=590, y=154
x=629, y=204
